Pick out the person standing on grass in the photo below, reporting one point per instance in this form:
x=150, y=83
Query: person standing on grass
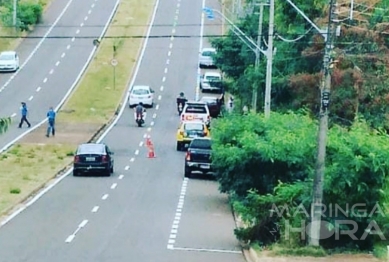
x=24, y=112
x=51, y=122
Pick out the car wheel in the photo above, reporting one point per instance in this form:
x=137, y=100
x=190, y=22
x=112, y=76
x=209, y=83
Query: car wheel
x=187, y=172
x=107, y=172
x=111, y=170
x=179, y=146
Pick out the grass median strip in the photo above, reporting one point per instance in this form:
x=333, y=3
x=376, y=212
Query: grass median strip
x=36, y=159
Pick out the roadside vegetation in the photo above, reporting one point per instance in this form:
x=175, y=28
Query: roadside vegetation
x=30, y=164
x=269, y=163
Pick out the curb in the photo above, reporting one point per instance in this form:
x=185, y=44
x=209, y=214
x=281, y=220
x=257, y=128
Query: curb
x=249, y=253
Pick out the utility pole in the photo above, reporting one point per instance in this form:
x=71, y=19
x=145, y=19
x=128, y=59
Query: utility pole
x=325, y=88
x=15, y=5
x=269, y=67
x=257, y=58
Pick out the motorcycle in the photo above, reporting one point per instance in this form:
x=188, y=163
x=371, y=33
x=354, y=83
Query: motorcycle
x=140, y=119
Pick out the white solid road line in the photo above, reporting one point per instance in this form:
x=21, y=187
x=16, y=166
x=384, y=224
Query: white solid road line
x=60, y=178
x=207, y=250
x=177, y=216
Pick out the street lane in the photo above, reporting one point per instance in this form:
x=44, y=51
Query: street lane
x=52, y=70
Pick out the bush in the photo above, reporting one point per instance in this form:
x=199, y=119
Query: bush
x=269, y=164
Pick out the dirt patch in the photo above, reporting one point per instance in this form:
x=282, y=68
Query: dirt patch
x=266, y=256
x=66, y=133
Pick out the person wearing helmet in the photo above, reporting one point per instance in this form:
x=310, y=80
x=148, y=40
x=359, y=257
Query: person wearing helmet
x=181, y=100
x=140, y=110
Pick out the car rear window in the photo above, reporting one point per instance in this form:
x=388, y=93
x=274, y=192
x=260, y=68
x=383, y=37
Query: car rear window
x=140, y=92
x=207, y=53
x=91, y=149
x=212, y=78
x=196, y=109
x=201, y=143
x=193, y=126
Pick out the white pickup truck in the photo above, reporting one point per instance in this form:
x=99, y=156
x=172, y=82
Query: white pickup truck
x=211, y=81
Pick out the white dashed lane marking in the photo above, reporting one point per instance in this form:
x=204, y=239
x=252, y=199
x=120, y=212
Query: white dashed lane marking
x=137, y=152
x=154, y=115
x=68, y=46
x=45, y=80
x=114, y=185
x=104, y=197
x=13, y=115
x=140, y=143
x=90, y=11
x=38, y=88
x=171, y=45
x=152, y=123
x=127, y=167
x=120, y=177
x=94, y=209
x=161, y=88
x=82, y=24
x=132, y=159
x=73, y=39
x=166, y=70
x=30, y=98
x=51, y=71
x=156, y=107
x=159, y=97
x=169, y=53
x=80, y=226
x=63, y=55
x=57, y=63
x=163, y=79
x=177, y=216
x=86, y=18
x=78, y=31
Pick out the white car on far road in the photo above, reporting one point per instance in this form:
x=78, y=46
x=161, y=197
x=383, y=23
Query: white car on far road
x=9, y=61
x=140, y=93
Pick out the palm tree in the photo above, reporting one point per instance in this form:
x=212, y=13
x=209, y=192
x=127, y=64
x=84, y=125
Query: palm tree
x=4, y=124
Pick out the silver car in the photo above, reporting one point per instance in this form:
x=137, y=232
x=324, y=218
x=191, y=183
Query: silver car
x=9, y=61
x=206, y=57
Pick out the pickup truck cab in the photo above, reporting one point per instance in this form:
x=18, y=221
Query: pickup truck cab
x=211, y=81
x=198, y=156
x=195, y=111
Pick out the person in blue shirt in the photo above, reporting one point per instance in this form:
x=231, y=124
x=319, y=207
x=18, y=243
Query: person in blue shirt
x=51, y=122
x=24, y=112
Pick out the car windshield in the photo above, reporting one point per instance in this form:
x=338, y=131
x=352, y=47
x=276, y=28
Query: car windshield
x=90, y=149
x=7, y=57
x=140, y=92
x=207, y=53
x=201, y=143
x=194, y=126
x=196, y=109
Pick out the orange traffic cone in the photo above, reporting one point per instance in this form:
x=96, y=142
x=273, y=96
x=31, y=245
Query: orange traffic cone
x=148, y=141
x=151, y=153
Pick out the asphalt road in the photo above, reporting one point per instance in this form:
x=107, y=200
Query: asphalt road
x=146, y=211
x=50, y=72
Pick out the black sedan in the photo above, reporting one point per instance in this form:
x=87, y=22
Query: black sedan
x=214, y=105
x=93, y=158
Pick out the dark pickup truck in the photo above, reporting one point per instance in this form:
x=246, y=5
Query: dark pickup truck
x=198, y=156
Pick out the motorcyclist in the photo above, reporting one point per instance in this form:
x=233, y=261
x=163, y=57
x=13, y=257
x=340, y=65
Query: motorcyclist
x=139, y=109
x=181, y=100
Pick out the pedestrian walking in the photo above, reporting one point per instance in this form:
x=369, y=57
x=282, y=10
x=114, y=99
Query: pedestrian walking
x=51, y=122
x=24, y=113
